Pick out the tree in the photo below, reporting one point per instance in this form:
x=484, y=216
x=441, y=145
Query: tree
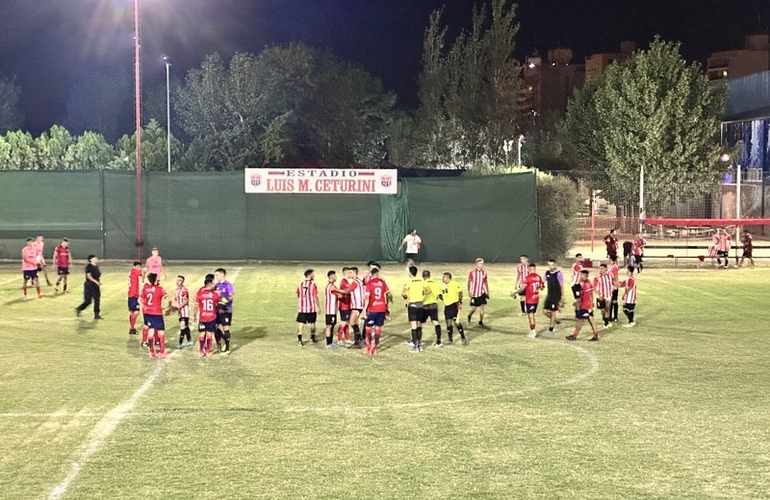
x=91, y=151
x=10, y=116
x=654, y=112
x=468, y=90
x=17, y=151
x=154, y=150
x=51, y=148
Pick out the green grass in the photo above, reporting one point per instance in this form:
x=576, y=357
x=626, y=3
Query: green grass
x=675, y=408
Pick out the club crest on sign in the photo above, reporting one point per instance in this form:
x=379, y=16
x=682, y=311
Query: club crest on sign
x=256, y=180
x=386, y=180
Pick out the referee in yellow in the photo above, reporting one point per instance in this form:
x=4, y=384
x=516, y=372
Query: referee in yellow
x=414, y=291
x=452, y=296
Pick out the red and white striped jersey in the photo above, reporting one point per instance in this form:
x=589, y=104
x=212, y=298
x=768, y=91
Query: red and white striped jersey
x=477, y=283
x=182, y=302
x=367, y=277
x=639, y=244
x=307, y=293
x=630, y=294
x=603, y=286
x=613, y=271
x=712, y=251
x=330, y=300
x=725, y=242
x=522, y=271
x=576, y=268
x=357, y=294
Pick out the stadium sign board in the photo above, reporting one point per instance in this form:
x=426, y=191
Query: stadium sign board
x=321, y=181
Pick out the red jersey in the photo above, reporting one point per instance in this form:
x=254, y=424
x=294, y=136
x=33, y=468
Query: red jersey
x=344, y=299
x=307, y=293
x=182, y=301
x=603, y=286
x=61, y=255
x=357, y=294
x=134, y=275
x=522, y=271
x=630, y=285
x=207, y=301
x=613, y=271
x=639, y=246
x=331, y=301
x=576, y=268
x=534, y=283
x=377, y=291
x=587, y=296
x=152, y=299
x=477, y=283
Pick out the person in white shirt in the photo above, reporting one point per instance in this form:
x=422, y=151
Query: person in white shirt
x=412, y=242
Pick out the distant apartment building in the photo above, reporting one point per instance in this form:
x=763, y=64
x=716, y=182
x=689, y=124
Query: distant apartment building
x=597, y=64
x=547, y=86
x=753, y=58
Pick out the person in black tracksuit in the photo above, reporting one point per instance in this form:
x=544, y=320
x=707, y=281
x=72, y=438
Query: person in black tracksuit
x=91, y=288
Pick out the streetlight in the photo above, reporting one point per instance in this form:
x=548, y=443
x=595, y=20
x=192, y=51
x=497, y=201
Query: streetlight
x=138, y=114
x=167, y=62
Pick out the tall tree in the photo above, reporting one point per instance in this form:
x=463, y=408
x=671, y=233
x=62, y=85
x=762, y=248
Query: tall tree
x=10, y=116
x=657, y=112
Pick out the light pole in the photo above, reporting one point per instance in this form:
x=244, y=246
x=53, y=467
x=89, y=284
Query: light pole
x=520, y=143
x=168, y=111
x=138, y=114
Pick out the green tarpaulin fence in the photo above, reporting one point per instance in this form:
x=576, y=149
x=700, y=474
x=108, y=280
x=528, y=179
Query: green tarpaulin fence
x=208, y=216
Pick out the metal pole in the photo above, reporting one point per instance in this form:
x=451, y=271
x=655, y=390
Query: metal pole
x=737, y=208
x=641, y=200
x=168, y=115
x=138, y=113
x=593, y=218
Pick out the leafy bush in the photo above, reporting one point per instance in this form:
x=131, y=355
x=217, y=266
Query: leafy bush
x=558, y=203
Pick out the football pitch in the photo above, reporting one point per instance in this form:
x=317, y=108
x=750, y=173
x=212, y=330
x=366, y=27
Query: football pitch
x=676, y=407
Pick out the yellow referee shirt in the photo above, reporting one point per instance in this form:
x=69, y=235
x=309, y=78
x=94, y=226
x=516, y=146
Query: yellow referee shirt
x=432, y=297
x=414, y=289
x=451, y=293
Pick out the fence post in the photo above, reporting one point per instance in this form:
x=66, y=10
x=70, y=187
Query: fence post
x=102, y=210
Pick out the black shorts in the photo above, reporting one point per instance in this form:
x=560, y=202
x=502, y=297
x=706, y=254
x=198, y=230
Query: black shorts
x=185, y=321
x=224, y=319
x=30, y=275
x=601, y=303
x=63, y=271
x=429, y=313
x=414, y=313
x=207, y=326
x=748, y=254
x=331, y=319
x=531, y=308
x=479, y=301
x=629, y=307
x=551, y=304
x=411, y=256
x=638, y=258
x=612, y=254
x=723, y=253
x=344, y=315
x=451, y=311
x=307, y=318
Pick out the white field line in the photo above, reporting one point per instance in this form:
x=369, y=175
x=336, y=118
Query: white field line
x=103, y=429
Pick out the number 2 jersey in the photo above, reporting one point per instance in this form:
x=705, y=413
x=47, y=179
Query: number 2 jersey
x=207, y=301
x=152, y=300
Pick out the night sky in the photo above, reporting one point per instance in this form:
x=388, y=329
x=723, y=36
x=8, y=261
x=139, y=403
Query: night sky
x=51, y=47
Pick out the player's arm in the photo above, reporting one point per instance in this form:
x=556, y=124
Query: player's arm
x=367, y=300
x=405, y=293
x=91, y=278
x=389, y=297
x=486, y=285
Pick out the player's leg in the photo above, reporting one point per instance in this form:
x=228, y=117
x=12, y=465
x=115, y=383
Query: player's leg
x=377, y=335
x=58, y=280
x=357, y=338
x=522, y=305
x=86, y=299
x=300, y=325
x=615, y=305
x=24, y=284
x=151, y=341
x=473, y=310
x=368, y=327
x=226, y=331
x=97, y=293
x=201, y=339
x=531, y=318
x=433, y=313
x=482, y=313
x=313, y=339
x=592, y=324
x=161, y=336
x=36, y=282
x=45, y=273
x=210, y=340
x=578, y=326
x=630, y=310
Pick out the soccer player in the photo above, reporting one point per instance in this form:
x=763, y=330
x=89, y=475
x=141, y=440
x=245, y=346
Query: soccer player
x=723, y=248
x=356, y=289
x=452, y=296
x=412, y=242
x=376, y=299
x=307, y=307
x=577, y=268
x=713, y=249
x=629, y=297
x=29, y=267
x=343, y=331
x=611, y=244
x=531, y=287
x=226, y=292
x=639, y=244
x=40, y=258
x=554, y=300
x=370, y=266
x=413, y=292
x=583, y=306
x=205, y=310
x=614, y=271
x=331, y=305
x=748, y=248
x=182, y=305
x=155, y=264
x=430, y=306
x=628, y=253
x=522, y=270
x=152, y=298
x=91, y=288
x=134, y=277
x=603, y=284
x=63, y=259
x=478, y=289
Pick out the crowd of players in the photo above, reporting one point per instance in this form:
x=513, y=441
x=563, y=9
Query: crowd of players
x=353, y=301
